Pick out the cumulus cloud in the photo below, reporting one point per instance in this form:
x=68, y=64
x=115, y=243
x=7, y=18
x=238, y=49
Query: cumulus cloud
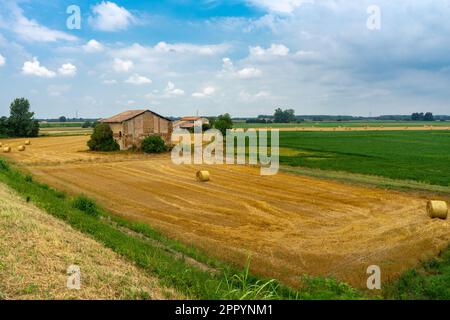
x=31, y=30
x=274, y=50
x=34, y=68
x=121, y=66
x=137, y=79
x=229, y=70
x=248, y=73
x=171, y=90
x=108, y=16
x=206, y=92
x=2, y=60
x=68, y=70
x=93, y=46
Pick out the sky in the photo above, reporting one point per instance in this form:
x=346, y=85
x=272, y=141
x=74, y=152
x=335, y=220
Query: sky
x=208, y=57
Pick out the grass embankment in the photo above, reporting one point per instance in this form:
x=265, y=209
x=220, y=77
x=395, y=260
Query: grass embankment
x=414, y=155
x=36, y=249
x=177, y=266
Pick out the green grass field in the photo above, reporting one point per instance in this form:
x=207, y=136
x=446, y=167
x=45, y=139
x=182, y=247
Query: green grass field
x=335, y=124
x=406, y=155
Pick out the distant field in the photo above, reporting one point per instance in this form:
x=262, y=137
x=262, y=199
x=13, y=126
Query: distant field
x=64, y=131
x=414, y=155
x=353, y=124
x=59, y=124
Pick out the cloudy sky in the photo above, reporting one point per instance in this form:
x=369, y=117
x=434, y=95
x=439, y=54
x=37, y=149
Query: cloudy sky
x=245, y=57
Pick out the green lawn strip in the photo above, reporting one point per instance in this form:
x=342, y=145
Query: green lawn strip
x=172, y=272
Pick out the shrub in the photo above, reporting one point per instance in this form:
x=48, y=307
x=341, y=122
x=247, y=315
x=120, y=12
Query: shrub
x=85, y=204
x=86, y=124
x=102, y=139
x=153, y=144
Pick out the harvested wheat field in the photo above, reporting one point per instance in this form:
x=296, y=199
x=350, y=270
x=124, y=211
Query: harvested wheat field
x=36, y=249
x=291, y=225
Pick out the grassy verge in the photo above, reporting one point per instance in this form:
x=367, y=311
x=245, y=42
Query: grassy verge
x=429, y=281
x=154, y=253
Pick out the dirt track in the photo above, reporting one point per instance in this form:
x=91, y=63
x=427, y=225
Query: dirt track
x=290, y=224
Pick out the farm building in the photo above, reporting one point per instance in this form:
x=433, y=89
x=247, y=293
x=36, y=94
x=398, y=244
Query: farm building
x=188, y=122
x=131, y=127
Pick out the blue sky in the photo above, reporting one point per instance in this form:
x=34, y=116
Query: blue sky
x=245, y=57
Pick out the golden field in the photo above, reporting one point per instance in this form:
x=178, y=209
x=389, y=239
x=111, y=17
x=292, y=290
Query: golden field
x=289, y=224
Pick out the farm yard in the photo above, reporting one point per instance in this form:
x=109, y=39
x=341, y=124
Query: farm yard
x=289, y=224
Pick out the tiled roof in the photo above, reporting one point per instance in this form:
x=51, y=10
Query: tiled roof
x=127, y=115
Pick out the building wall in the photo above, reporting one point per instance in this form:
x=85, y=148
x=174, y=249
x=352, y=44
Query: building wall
x=131, y=133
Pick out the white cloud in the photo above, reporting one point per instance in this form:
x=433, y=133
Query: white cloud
x=120, y=65
x=137, y=79
x=2, y=60
x=93, y=46
x=108, y=16
x=248, y=73
x=171, y=90
x=274, y=50
x=279, y=6
x=31, y=30
x=206, y=92
x=227, y=64
x=68, y=70
x=229, y=70
x=34, y=68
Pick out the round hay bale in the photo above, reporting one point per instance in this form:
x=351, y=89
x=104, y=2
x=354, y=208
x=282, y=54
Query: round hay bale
x=7, y=149
x=437, y=209
x=21, y=148
x=27, y=142
x=203, y=175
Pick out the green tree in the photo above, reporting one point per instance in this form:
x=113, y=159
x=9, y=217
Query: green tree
x=278, y=116
x=223, y=123
x=285, y=116
x=428, y=117
x=21, y=121
x=102, y=139
x=3, y=126
x=62, y=119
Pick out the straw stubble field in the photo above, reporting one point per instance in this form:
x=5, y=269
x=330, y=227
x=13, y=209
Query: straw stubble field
x=290, y=225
